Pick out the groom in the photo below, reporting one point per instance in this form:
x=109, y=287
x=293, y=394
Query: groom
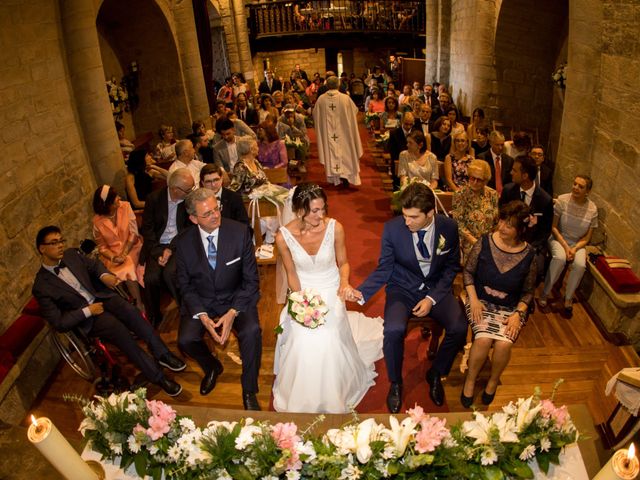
x=419, y=259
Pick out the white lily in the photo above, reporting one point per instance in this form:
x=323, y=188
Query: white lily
x=526, y=414
x=401, y=433
x=478, y=429
x=366, y=430
x=506, y=427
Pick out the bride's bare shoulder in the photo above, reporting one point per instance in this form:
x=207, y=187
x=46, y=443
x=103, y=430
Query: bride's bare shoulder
x=293, y=226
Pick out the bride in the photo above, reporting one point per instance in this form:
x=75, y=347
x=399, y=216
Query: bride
x=330, y=368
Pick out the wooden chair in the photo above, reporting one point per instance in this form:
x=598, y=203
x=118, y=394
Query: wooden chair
x=265, y=209
x=277, y=176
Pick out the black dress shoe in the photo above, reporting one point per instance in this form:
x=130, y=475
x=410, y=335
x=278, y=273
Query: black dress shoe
x=250, y=402
x=173, y=363
x=436, y=390
x=567, y=311
x=209, y=380
x=464, y=400
x=394, y=397
x=170, y=387
x=487, y=398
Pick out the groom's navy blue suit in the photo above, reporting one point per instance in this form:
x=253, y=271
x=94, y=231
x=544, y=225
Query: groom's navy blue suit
x=399, y=269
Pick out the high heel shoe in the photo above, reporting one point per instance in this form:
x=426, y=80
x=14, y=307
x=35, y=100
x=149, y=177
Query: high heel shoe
x=487, y=398
x=466, y=401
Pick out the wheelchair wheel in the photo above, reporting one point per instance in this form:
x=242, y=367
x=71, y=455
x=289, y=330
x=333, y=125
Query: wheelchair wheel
x=76, y=354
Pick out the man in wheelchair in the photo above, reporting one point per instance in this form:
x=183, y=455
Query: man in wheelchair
x=75, y=292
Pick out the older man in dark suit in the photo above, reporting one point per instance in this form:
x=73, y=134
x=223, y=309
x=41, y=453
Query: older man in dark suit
x=75, y=292
x=163, y=217
x=218, y=281
x=500, y=163
x=419, y=258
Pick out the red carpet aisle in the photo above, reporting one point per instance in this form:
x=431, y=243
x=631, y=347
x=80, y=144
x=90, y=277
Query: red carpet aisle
x=362, y=211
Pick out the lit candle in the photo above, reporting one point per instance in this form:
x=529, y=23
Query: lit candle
x=47, y=438
x=623, y=465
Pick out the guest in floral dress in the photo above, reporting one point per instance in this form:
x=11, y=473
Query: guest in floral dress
x=475, y=206
x=416, y=162
x=457, y=162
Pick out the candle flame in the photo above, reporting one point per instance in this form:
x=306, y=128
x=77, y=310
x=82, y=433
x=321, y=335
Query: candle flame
x=631, y=452
x=35, y=423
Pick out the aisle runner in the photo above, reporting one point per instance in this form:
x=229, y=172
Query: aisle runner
x=362, y=211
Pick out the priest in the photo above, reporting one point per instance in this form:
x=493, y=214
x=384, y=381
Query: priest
x=339, y=146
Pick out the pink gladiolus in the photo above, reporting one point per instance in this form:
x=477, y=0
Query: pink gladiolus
x=432, y=431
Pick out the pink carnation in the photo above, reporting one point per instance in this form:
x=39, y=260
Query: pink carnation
x=161, y=417
x=558, y=414
x=416, y=413
x=432, y=431
x=285, y=434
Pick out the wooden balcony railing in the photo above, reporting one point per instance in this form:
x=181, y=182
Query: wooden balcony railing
x=282, y=17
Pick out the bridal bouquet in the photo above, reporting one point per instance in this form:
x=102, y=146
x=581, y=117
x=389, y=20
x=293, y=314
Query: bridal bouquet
x=307, y=308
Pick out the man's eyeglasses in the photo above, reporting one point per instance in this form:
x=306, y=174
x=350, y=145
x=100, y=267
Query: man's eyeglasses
x=54, y=243
x=210, y=212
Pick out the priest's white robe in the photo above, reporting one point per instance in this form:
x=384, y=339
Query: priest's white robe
x=339, y=146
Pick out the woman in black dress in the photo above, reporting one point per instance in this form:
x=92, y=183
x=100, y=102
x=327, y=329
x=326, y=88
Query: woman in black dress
x=499, y=278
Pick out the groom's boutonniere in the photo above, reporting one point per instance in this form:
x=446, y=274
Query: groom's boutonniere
x=441, y=245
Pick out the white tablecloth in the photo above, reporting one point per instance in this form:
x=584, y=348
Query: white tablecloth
x=571, y=467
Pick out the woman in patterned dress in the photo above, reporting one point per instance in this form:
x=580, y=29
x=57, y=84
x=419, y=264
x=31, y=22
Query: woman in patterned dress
x=456, y=163
x=475, y=206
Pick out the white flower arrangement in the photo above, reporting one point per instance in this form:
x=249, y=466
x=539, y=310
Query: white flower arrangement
x=501, y=445
x=118, y=98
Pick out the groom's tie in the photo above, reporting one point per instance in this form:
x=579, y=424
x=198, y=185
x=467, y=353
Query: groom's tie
x=212, y=253
x=422, y=248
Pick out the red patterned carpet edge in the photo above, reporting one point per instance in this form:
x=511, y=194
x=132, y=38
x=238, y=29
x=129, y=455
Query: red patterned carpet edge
x=362, y=211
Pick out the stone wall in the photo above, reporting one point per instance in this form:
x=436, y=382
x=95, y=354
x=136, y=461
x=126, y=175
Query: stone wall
x=46, y=174
x=145, y=36
x=282, y=63
x=604, y=108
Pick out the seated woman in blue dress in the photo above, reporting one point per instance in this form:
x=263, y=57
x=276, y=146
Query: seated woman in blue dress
x=500, y=278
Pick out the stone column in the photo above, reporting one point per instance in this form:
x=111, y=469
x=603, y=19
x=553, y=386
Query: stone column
x=190, y=60
x=431, y=63
x=242, y=40
x=87, y=79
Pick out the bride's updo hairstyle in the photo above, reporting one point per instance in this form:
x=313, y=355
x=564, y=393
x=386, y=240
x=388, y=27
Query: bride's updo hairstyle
x=304, y=194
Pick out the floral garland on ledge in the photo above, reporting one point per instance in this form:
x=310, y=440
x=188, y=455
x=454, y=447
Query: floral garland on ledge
x=150, y=436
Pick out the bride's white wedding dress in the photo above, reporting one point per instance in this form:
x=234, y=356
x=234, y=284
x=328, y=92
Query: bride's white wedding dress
x=330, y=368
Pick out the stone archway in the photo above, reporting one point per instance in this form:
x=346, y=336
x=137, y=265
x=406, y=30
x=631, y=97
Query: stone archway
x=529, y=36
x=143, y=35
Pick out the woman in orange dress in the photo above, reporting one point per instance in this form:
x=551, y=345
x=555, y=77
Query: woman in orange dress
x=116, y=234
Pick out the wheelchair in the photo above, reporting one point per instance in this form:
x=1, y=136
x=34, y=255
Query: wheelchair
x=88, y=356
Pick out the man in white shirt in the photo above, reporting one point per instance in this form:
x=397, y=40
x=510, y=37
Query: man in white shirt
x=187, y=159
